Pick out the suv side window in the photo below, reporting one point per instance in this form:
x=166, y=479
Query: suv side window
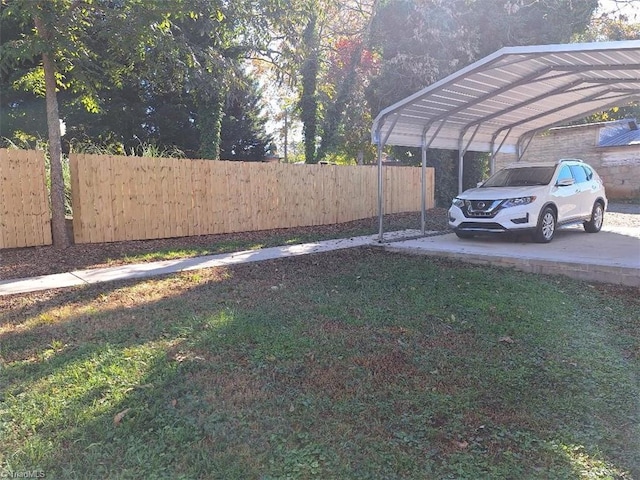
x=589, y=173
x=578, y=173
x=564, y=173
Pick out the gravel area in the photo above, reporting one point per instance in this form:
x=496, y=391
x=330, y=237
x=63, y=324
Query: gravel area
x=36, y=261
x=623, y=215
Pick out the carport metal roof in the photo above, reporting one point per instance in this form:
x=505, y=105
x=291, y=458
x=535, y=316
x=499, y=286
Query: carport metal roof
x=514, y=93
x=501, y=101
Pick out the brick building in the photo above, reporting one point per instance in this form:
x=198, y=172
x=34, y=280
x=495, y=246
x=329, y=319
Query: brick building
x=612, y=148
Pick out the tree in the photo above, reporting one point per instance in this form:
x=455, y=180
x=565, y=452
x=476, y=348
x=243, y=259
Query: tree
x=243, y=132
x=307, y=51
x=500, y=23
x=63, y=40
x=609, y=27
x=351, y=65
x=58, y=224
x=308, y=96
x=48, y=18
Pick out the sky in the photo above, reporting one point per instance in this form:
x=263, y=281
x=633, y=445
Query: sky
x=631, y=8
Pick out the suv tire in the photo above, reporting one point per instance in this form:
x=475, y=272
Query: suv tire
x=597, y=217
x=546, y=226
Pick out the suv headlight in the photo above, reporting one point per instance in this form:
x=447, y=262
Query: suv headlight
x=458, y=202
x=516, y=202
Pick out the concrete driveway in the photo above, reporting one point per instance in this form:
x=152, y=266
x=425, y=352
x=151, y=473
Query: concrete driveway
x=611, y=256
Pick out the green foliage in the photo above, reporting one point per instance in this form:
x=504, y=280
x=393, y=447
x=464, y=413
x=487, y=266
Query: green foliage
x=324, y=56
x=131, y=72
x=163, y=73
x=243, y=128
x=210, y=124
x=22, y=113
x=422, y=42
x=617, y=113
x=410, y=37
x=87, y=146
x=499, y=23
x=341, y=159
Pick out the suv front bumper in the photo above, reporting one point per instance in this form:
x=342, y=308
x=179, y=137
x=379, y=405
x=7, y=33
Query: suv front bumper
x=513, y=219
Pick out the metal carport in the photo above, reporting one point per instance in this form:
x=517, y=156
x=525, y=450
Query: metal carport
x=499, y=103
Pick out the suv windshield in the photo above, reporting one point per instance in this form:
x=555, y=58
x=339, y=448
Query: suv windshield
x=520, y=176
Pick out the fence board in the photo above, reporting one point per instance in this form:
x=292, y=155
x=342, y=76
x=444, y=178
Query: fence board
x=7, y=229
x=143, y=198
x=217, y=172
x=183, y=198
x=147, y=171
x=117, y=167
x=24, y=190
x=25, y=220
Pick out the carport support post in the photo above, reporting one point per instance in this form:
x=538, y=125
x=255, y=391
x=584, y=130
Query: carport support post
x=423, y=184
x=380, y=191
x=460, y=163
x=381, y=143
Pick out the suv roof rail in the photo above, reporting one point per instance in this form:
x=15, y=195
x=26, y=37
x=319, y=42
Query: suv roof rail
x=570, y=160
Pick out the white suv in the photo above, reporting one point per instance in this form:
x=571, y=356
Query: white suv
x=532, y=197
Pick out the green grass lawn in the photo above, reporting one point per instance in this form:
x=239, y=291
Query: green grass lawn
x=277, y=238
x=356, y=364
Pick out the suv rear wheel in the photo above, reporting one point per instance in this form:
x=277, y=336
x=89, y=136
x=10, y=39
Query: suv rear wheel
x=597, y=217
x=546, y=226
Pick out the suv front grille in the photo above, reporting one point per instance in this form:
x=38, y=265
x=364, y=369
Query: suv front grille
x=477, y=214
x=481, y=208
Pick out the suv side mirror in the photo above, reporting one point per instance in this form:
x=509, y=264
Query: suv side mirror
x=565, y=182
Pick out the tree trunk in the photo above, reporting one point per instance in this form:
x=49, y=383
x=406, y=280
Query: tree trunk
x=210, y=125
x=58, y=226
x=286, y=136
x=308, y=100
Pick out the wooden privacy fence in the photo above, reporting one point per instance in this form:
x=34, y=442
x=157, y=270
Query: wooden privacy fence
x=25, y=218
x=130, y=198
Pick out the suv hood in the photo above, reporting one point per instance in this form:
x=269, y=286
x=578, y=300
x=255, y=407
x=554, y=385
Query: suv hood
x=502, y=193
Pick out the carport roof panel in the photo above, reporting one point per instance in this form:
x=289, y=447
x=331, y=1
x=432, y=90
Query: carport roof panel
x=514, y=92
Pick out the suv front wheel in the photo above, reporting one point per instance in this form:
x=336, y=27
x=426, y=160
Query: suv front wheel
x=546, y=226
x=597, y=217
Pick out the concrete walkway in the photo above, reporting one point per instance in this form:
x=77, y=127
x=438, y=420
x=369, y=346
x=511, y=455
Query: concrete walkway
x=611, y=256
x=143, y=270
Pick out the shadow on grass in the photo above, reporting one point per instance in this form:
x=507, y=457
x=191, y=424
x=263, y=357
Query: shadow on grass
x=355, y=364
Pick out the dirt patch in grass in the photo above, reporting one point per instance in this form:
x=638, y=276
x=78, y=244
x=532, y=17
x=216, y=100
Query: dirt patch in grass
x=619, y=292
